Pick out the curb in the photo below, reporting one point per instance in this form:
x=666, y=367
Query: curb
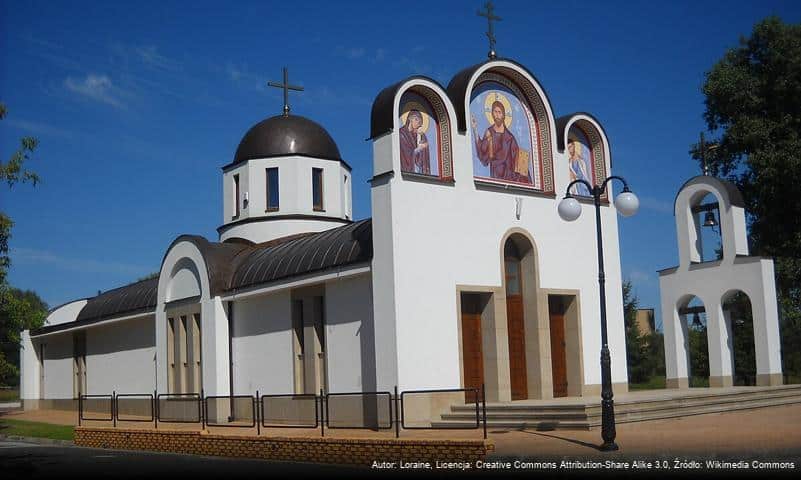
x=38, y=440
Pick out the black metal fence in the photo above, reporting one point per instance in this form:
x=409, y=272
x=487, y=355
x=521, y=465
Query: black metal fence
x=341, y=410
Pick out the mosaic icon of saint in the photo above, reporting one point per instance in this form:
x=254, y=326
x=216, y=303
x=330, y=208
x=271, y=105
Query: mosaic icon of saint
x=578, y=168
x=414, y=151
x=498, y=148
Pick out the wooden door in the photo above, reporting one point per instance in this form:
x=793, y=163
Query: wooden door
x=516, y=330
x=556, y=310
x=472, y=353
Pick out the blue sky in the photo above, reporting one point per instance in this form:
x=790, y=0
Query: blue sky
x=137, y=107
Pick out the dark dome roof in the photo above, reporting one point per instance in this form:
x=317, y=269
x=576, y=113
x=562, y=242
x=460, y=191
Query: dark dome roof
x=286, y=135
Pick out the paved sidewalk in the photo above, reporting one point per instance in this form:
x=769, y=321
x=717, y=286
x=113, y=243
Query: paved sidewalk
x=758, y=432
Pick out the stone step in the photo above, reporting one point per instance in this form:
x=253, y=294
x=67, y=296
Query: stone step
x=585, y=416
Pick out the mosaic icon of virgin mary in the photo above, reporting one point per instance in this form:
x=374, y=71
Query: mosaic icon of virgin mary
x=579, y=168
x=414, y=152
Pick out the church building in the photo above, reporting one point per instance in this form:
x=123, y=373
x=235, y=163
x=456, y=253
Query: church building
x=464, y=276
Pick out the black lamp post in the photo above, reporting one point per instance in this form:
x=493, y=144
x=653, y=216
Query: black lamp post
x=570, y=209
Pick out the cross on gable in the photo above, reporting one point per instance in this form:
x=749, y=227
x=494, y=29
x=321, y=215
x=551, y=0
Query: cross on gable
x=286, y=87
x=491, y=17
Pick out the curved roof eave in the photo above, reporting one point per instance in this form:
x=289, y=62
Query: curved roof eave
x=382, y=113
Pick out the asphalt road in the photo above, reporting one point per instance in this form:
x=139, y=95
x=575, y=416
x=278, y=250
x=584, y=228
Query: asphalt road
x=28, y=460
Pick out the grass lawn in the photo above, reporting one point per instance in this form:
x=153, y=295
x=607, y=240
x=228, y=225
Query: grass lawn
x=653, y=383
x=24, y=428
x=9, y=395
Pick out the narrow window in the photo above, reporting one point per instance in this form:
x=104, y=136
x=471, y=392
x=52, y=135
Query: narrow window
x=236, y=196
x=272, y=189
x=317, y=189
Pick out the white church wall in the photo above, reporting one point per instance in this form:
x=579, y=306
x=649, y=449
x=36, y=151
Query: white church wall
x=383, y=267
x=262, y=344
x=349, y=340
x=65, y=313
x=445, y=235
x=58, y=366
x=128, y=346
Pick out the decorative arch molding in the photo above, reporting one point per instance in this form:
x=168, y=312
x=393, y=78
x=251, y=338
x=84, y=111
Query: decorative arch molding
x=437, y=102
x=599, y=143
x=463, y=84
x=182, y=258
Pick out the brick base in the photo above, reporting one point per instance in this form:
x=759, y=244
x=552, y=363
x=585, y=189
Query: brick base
x=318, y=450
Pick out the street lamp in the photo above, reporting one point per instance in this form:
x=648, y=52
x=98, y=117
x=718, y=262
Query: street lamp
x=569, y=209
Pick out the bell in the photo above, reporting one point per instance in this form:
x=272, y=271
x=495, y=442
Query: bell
x=709, y=219
x=696, y=320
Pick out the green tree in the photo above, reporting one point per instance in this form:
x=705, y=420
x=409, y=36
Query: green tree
x=753, y=106
x=18, y=310
x=640, y=364
x=12, y=172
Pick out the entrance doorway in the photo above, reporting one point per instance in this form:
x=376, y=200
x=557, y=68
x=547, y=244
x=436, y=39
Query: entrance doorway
x=515, y=319
x=472, y=351
x=556, y=311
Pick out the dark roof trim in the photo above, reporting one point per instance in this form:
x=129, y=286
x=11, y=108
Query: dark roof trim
x=457, y=89
x=48, y=329
x=233, y=164
x=294, y=216
x=382, y=114
x=735, y=197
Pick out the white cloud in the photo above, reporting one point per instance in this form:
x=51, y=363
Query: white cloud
x=639, y=277
x=33, y=256
x=96, y=87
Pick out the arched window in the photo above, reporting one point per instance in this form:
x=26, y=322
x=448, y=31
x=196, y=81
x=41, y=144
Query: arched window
x=424, y=134
x=510, y=132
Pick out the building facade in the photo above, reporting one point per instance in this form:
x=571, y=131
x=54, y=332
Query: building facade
x=464, y=276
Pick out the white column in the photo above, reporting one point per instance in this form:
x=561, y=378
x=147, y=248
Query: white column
x=720, y=357
x=676, y=345
x=767, y=342
x=29, y=369
x=214, y=353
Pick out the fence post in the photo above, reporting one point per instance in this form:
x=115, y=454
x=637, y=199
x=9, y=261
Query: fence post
x=322, y=415
x=397, y=414
x=155, y=409
x=80, y=408
x=113, y=407
x=257, y=414
x=484, y=408
x=203, y=410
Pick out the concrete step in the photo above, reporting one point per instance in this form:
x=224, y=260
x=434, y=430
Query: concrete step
x=585, y=414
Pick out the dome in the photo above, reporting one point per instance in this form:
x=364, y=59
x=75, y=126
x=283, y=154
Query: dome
x=286, y=135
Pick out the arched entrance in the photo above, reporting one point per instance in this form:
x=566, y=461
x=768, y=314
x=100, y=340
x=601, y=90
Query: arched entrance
x=739, y=322
x=515, y=319
x=692, y=314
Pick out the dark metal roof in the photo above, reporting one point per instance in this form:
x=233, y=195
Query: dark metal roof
x=286, y=135
x=314, y=252
x=382, y=115
x=457, y=89
x=136, y=297
x=735, y=197
x=235, y=265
